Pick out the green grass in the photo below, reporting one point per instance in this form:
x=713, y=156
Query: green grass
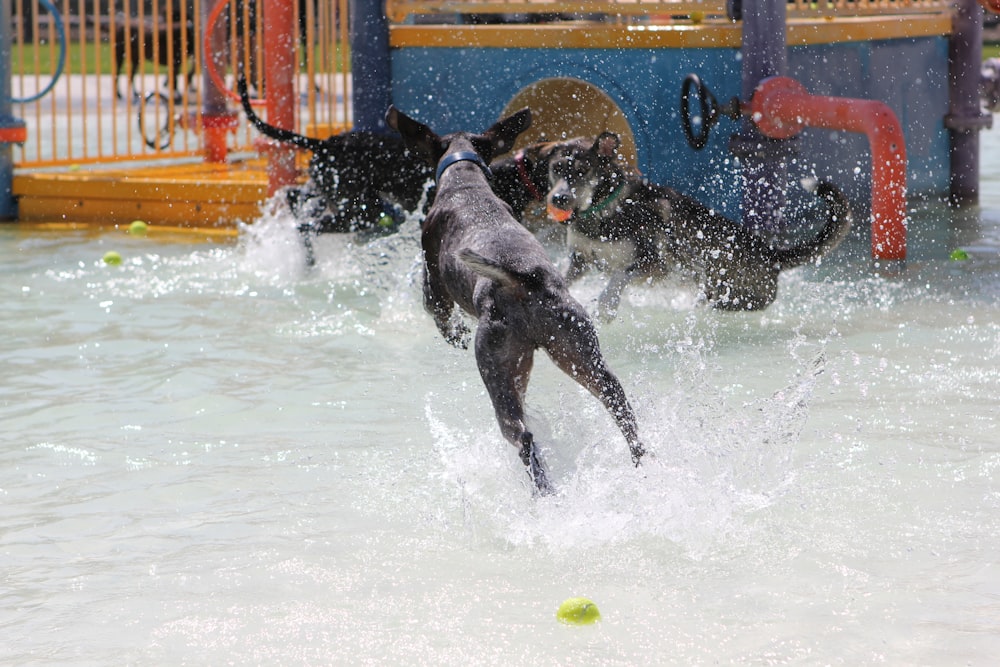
x=991, y=50
x=23, y=58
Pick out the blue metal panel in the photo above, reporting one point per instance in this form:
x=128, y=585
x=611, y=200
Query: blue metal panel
x=453, y=89
x=468, y=88
x=370, y=64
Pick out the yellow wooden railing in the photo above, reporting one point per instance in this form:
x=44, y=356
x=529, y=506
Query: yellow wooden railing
x=695, y=10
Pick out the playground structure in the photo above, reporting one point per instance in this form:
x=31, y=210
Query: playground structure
x=915, y=59
x=92, y=152
x=880, y=96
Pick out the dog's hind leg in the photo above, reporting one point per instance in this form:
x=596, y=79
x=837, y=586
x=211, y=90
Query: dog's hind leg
x=577, y=352
x=505, y=365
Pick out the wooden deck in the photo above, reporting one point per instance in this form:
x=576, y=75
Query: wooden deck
x=197, y=195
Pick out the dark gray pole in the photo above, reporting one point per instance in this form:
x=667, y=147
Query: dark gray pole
x=8, y=205
x=370, y=64
x=965, y=116
x=763, y=160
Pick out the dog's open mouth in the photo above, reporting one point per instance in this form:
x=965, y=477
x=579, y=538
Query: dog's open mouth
x=558, y=214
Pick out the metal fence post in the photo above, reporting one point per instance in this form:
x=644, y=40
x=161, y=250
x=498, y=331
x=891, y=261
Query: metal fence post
x=965, y=116
x=12, y=130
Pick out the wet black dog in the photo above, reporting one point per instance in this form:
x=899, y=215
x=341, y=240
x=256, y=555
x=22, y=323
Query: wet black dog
x=356, y=179
x=160, y=43
x=632, y=228
x=479, y=257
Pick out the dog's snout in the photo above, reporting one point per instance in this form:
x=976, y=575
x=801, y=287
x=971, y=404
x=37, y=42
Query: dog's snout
x=561, y=200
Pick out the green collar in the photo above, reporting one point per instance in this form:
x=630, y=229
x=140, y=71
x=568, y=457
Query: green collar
x=607, y=201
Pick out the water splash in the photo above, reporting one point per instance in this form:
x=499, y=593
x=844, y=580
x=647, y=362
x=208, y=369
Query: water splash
x=711, y=470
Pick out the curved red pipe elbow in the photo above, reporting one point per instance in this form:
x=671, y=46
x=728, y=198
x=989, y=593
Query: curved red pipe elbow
x=781, y=107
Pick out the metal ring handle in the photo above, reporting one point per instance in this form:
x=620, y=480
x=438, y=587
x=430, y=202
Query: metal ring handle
x=708, y=107
x=60, y=63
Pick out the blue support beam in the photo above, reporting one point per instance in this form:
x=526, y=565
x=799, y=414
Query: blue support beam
x=763, y=160
x=8, y=205
x=371, y=67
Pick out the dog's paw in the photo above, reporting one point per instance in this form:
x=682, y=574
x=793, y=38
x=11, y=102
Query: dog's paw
x=459, y=336
x=638, y=452
x=605, y=315
x=607, y=307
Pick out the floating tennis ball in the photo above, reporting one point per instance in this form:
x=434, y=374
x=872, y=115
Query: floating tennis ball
x=578, y=611
x=959, y=255
x=138, y=228
x=386, y=221
x=112, y=258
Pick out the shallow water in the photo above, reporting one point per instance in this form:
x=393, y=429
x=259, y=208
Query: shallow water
x=211, y=456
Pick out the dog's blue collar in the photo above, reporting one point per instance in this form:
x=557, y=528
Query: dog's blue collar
x=462, y=156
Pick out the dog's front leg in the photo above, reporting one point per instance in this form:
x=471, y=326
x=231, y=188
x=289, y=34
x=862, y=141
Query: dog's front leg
x=438, y=303
x=611, y=297
x=577, y=266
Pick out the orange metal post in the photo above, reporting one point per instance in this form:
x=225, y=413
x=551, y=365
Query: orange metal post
x=781, y=108
x=279, y=69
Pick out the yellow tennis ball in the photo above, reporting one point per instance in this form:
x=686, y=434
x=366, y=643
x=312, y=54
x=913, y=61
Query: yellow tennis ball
x=113, y=258
x=578, y=611
x=959, y=255
x=138, y=228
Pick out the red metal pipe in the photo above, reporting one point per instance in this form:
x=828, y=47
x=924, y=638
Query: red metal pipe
x=781, y=108
x=279, y=70
x=216, y=128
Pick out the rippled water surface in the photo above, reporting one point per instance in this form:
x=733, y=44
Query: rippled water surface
x=211, y=456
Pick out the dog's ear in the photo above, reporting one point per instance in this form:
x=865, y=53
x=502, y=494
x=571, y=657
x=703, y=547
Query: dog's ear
x=606, y=145
x=504, y=132
x=416, y=135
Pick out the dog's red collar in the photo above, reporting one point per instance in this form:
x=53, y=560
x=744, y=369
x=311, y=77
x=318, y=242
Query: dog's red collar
x=462, y=156
x=522, y=172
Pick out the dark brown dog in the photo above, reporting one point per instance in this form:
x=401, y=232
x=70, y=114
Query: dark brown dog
x=479, y=257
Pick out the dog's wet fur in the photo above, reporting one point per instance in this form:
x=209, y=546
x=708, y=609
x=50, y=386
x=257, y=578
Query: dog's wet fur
x=634, y=229
x=357, y=177
x=479, y=257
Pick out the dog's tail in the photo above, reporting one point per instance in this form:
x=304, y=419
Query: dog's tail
x=489, y=268
x=277, y=133
x=838, y=224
